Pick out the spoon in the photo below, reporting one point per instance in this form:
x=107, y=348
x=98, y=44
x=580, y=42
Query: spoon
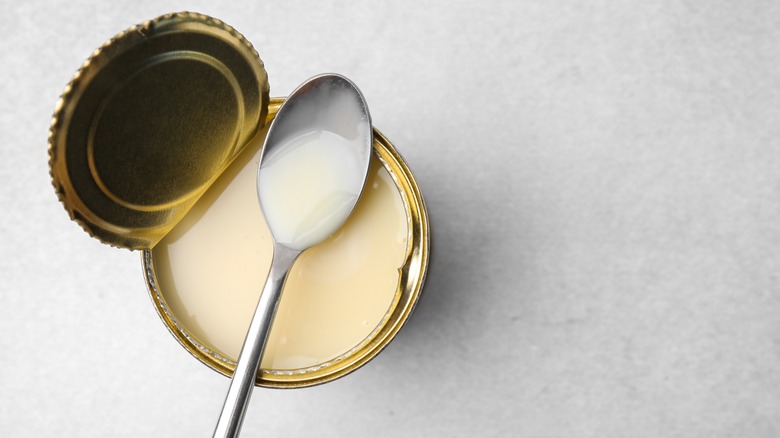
x=312, y=170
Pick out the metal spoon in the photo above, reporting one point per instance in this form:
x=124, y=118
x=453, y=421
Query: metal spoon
x=312, y=170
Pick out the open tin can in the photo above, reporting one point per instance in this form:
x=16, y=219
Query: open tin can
x=154, y=146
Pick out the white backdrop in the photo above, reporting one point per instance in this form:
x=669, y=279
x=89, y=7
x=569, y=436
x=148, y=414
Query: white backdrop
x=603, y=183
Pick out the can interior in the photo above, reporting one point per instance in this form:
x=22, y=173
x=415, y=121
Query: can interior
x=370, y=313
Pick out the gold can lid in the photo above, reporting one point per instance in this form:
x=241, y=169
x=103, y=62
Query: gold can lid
x=148, y=123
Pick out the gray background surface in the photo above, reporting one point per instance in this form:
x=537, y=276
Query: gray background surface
x=603, y=183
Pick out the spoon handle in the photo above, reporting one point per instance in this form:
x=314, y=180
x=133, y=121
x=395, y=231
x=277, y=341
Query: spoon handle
x=243, y=380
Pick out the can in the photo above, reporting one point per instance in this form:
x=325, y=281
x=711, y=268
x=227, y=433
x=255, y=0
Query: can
x=156, y=128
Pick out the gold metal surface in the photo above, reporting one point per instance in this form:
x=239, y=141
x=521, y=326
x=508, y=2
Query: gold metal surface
x=410, y=287
x=148, y=123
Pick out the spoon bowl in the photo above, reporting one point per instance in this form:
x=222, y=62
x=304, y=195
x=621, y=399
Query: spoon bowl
x=312, y=170
x=314, y=162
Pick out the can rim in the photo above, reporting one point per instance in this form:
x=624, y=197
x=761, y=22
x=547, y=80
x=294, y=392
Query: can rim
x=411, y=280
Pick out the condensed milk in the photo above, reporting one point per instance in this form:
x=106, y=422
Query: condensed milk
x=344, y=300
x=308, y=188
x=211, y=268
